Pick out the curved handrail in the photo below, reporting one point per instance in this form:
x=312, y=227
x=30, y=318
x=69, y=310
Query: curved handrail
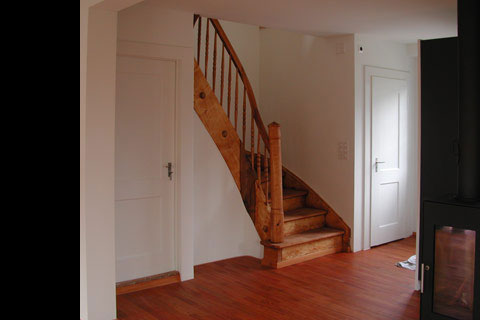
x=251, y=96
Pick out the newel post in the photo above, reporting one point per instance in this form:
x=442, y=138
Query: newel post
x=276, y=217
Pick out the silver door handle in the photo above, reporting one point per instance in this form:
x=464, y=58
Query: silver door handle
x=170, y=171
x=376, y=164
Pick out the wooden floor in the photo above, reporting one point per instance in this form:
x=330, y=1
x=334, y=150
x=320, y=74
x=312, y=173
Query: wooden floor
x=364, y=285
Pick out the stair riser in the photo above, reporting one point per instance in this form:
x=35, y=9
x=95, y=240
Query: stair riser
x=329, y=245
x=293, y=203
x=279, y=258
x=301, y=225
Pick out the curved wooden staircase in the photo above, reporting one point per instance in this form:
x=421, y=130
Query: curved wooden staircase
x=294, y=223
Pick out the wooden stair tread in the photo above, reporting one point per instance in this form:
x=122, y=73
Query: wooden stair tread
x=292, y=193
x=302, y=213
x=305, y=237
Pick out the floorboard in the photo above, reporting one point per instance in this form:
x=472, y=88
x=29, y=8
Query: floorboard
x=363, y=285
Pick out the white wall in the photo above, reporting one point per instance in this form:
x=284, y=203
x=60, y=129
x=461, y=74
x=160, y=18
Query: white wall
x=151, y=23
x=245, y=40
x=97, y=254
x=391, y=55
x=308, y=88
x=83, y=94
x=223, y=228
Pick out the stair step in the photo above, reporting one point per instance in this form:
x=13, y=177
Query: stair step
x=303, y=213
x=293, y=193
x=305, y=237
x=292, y=199
x=290, y=193
x=303, y=219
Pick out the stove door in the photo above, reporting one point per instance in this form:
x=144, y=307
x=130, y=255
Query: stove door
x=450, y=262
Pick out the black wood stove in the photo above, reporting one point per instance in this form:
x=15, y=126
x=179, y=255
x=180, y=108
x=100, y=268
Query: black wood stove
x=450, y=171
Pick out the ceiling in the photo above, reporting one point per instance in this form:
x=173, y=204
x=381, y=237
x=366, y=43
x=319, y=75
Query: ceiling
x=399, y=20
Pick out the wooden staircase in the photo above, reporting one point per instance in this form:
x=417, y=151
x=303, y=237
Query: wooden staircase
x=294, y=223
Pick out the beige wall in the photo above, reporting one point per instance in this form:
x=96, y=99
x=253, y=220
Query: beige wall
x=308, y=88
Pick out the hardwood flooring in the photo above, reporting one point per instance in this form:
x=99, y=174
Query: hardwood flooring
x=363, y=285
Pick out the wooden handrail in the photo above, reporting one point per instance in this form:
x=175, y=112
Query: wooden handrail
x=251, y=97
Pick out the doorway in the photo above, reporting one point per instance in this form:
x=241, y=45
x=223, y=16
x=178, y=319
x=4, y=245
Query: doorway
x=144, y=165
x=386, y=103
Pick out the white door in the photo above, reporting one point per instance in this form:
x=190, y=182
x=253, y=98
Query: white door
x=388, y=151
x=144, y=145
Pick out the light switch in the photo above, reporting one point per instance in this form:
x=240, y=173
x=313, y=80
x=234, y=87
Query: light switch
x=342, y=150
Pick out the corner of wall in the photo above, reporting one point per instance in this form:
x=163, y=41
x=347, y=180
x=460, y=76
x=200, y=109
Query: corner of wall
x=99, y=165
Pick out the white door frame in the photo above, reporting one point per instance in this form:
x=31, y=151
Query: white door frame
x=369, y=72
x=182, y=57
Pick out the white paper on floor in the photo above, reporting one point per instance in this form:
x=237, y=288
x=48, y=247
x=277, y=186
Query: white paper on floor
x=409, y=264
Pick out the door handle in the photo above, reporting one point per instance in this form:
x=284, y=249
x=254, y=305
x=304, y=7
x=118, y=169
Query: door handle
x=376, y=164
x=422, y=275
x=170, y=171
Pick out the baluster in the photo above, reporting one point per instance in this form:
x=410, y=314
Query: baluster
x=229, y=86
x=252, y=141
x=259, y=158
x=214, y=58
x=236, y=98
x=221, y=76
x=206, y=48
x=199, y=38
x=244, y=120
x=265, y=164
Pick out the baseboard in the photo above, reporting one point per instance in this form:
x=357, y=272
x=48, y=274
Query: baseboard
x=148, y=282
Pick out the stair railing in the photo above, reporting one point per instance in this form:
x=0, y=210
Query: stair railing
x=260, y=161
